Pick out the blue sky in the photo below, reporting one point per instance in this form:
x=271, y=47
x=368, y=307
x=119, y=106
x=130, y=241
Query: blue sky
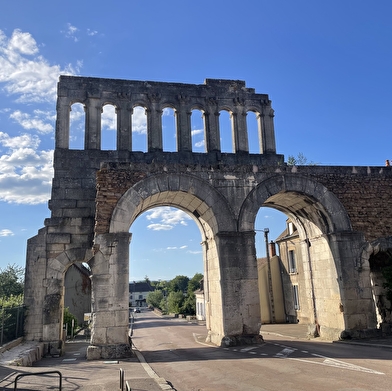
x=325, y=65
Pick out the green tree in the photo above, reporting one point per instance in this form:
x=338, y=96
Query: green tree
x=68, y=317
x=194, y=283
x=154, y=298
x=189, y=304
x=11, y=281
x=175, y=301
x=178, y=284
x=161, y=285
x=11, y=301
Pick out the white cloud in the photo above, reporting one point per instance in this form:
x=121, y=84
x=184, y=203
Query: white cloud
x=160, y=227
x=168, y=112
x=25, y=173
x=200, y=144
x=139, y=120
x=176, y=248
x=6, y=232
x=34, y=121
x=23, y=141
x=71, y=32
x=108, y=117
x=91, y=32
x=194, y=252
x=23, y=43
x=168, y=216
x=197, y=131
x=26, y=74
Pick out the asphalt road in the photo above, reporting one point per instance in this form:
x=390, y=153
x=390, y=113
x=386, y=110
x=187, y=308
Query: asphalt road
x=176, y=351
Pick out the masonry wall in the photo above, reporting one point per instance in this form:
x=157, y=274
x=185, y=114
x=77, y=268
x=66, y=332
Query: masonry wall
x=363, y=191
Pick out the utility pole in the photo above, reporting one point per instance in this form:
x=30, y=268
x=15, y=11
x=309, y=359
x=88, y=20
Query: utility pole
x=270, y=290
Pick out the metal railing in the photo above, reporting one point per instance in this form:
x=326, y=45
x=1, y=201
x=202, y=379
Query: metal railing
x=39, y=374
x=11, y=323
x=122, y=383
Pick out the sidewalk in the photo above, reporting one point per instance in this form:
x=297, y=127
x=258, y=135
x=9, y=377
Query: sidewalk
x=80, y=374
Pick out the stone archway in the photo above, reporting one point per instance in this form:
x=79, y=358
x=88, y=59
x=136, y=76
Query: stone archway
x=96, y=194
x=227, y=319
x=324, y=226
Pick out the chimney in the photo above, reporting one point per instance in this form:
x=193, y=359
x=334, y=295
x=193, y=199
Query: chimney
x=272, y=248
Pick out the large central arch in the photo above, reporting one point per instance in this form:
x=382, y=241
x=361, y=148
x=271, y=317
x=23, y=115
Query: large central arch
x=215, y=219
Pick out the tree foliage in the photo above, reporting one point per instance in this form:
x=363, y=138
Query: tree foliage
x=154, y=298
x=174, y=302
x=11, y=301
x=11, y=281
x=194, y=283
x=300, y=160
x=179, y=284
x=176, y=295
x=68, y=317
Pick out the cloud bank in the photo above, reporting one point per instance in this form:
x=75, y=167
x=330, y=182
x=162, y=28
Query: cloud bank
x=28, y=85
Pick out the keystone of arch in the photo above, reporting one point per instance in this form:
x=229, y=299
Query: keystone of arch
x=288, y=183
x=189, y=193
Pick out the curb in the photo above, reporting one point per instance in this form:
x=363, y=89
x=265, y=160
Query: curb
x=162, y=383
x=373, y=345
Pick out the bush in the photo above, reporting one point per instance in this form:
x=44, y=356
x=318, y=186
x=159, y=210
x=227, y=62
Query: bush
x=68, y=317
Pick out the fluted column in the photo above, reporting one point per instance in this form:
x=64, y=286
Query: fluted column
x=183, y=121
x=240, y=134
x=154, y=125
x=266, y=130
x=211, y=127
x=124, y=127
x=62, y=123
x=92, y=135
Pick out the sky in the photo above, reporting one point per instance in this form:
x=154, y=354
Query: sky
x=326, y=66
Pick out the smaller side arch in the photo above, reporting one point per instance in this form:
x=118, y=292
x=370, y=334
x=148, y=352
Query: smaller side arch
x=375, y=258
x=274, y=192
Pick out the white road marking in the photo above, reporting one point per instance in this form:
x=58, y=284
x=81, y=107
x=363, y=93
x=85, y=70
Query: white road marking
x=284, y=353
x=244, y=350
x=330, y=362
x=327, y=361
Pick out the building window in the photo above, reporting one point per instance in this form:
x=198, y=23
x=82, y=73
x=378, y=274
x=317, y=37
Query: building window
x=292, y=262
x=296, y=297
x=140, y=297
